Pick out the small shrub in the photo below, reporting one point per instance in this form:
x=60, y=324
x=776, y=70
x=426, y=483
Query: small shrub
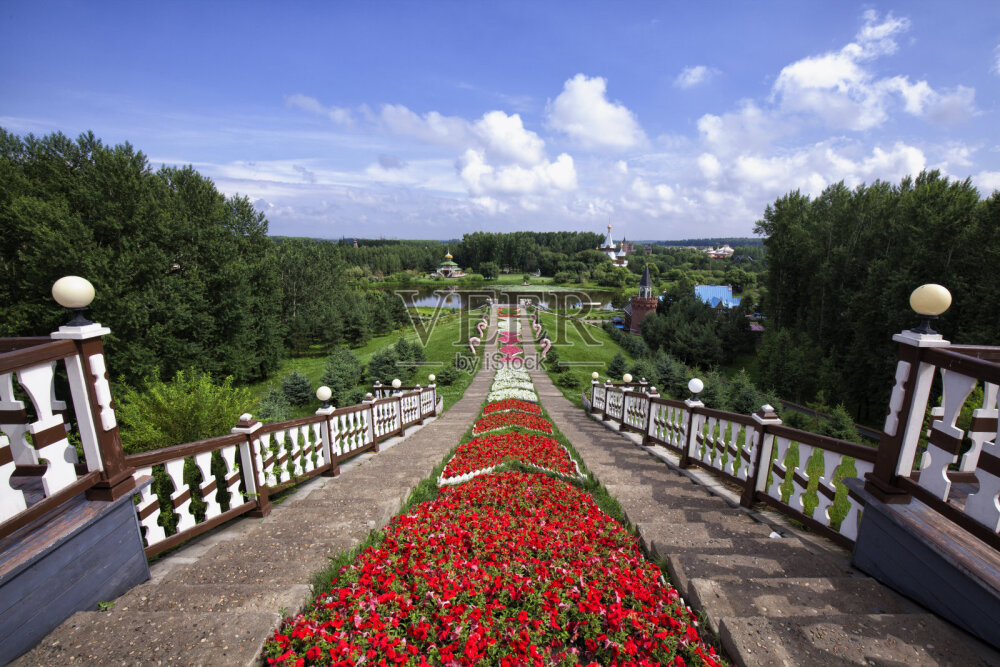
x=273, y=406
x=617, y=366
x=297, y=388
x=187, y=408
x=383, y=366
x=568, y=380
x=447, y=376
x=342, y=374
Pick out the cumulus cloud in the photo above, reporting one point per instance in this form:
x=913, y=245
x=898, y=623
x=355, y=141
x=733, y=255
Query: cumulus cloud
x=692, y=76
x=484, y=179
x=840, y=88
x=505, y=138
x=582, y=112
x=749, y=128
x=710, y=166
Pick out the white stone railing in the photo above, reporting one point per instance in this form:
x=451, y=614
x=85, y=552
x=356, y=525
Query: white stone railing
x=39, y=467
x=791, y=470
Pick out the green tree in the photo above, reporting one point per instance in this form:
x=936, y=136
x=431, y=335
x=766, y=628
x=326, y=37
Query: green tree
x=617, y=366
x=297, y=388
x=490, y=270
x=342, y=375
x=187, y=408
x=273, y=406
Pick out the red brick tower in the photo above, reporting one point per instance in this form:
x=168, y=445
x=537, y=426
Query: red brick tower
x=641, y=305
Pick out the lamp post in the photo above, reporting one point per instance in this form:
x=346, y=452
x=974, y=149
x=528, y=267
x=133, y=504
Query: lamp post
x=929, y=301
x=324, y=394
x=76, y=294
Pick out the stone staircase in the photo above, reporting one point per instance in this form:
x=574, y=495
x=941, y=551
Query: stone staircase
x=217, y=599
x=773, y=594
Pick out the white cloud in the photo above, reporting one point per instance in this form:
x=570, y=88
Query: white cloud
x=710, y=166
x=692, y=76
x=505, y=138
x=583, y=112
x=987, y=182
x=484, y=179
x=996, y=61
x=432, y=127
x=748, y=129
x=312, y=105
x=840, y=88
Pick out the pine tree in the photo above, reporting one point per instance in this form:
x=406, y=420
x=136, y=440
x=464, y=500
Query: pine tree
x=297, y=388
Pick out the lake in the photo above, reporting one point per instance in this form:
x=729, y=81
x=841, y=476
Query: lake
x=547, y=297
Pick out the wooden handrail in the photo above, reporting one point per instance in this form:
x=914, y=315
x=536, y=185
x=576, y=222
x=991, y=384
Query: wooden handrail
x=156, y=456
x=33, y=355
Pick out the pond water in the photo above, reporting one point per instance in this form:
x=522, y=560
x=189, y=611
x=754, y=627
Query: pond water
x=472, y=298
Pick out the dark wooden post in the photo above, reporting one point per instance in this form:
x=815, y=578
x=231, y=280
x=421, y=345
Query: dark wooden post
x=764, y=417
x=116, y=478
x=905, y=416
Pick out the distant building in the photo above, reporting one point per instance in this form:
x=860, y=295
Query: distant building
x=611, y=250
x=641, y=305
x=717, y=296
x=448, y=268
x=722, y=252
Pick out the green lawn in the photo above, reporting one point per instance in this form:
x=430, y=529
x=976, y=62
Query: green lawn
x=447, y=337
x=587, y=348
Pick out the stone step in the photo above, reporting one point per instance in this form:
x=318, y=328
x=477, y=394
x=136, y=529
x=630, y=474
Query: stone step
x=99, y=638
x=213, y=598
x=736, y=526
x=665, y=541
x=262, y=548
x=850, y=639
x=223, y=571
x=780, y=597
x=751, y=558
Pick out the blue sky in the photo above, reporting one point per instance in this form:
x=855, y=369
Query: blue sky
x=433, y=119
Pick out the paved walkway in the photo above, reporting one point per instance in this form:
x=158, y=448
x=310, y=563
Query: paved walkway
x=788, y=600
x=216, y=600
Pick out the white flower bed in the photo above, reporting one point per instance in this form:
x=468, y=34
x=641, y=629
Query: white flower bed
x=511, y=374
x=520, y=394
x=511, y=384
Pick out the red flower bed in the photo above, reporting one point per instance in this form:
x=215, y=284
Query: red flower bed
x=509, y=569
x=490, y=450
x=512, y=404
x=510, y=420
x=508, y=338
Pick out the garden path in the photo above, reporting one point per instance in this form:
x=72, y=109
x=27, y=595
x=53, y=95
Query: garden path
x=793, y=600
x=217, y=599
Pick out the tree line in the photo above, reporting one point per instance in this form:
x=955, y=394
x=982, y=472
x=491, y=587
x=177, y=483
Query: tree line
x=185, y=277
x=841, y=269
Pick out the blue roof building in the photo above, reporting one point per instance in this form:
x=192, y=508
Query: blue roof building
x=717, y=296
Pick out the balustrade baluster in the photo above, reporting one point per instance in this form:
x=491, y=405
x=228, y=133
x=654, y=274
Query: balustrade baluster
x=945, y=440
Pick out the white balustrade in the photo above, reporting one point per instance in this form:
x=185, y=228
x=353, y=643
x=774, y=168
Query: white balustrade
x=351, y=431
x=946, y=437
x=667, y=424
x=148, y=509
x=615, y=402
x=49, y=428
x=598, y=395
x=427, y=402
